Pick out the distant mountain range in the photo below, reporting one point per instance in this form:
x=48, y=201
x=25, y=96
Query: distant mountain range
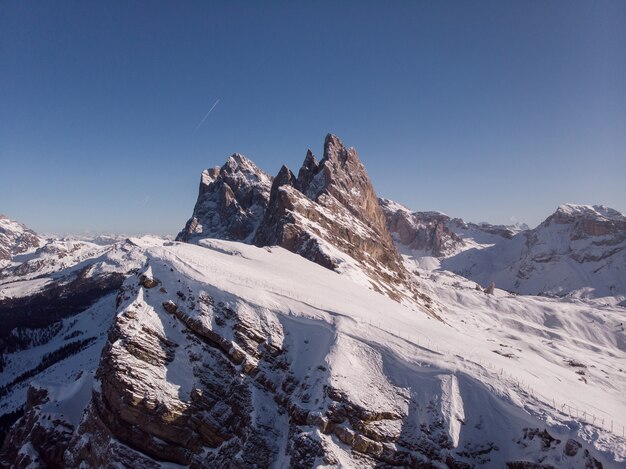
x=300, y=321
x=579, y=250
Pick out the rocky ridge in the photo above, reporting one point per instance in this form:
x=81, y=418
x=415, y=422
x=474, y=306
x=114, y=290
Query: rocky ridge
x=428, y=232
x=225, y=355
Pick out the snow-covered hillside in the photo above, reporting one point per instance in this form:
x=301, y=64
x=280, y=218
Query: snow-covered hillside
x=15, y=239
x=56, y=303
x=215, y=357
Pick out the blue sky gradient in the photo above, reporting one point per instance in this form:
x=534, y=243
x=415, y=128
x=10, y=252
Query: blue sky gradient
x=484, y=110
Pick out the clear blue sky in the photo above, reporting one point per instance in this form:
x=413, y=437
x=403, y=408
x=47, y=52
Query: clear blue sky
x=485, y=110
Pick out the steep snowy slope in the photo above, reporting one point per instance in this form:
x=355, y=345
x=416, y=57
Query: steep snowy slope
x=216, y=360
x=55, y=304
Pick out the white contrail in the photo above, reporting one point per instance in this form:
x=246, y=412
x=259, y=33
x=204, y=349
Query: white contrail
x=207, y=114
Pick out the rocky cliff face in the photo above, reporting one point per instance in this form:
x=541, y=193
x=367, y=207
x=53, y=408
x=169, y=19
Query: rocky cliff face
x=605, y=225
x=15, y=239
x=428, y=232
x=231, y=202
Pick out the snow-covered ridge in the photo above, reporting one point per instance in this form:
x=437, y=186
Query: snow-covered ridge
x=147, y=352
x=597, y=211
x=579, y=250
x=328, y=213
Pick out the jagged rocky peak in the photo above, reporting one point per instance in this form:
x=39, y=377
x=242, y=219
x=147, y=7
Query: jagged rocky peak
x=342, y=175
x=231, y=202
x=15, y=238
x=331, y=210
x=328, y=214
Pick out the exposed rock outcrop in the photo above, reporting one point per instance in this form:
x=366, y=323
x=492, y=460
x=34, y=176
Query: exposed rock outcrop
x=331, y=206
x=45, y=437
x=428, y=232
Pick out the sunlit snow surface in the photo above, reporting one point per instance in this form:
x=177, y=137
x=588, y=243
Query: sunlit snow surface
x=502, y=359
x=497, y=364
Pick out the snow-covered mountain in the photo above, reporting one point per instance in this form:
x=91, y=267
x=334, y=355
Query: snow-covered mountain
x=435, y=234
x=329, y=214
x=56, y=303
x=15, y=239
x=302, y=339
x=215, y=360
x=579, y=250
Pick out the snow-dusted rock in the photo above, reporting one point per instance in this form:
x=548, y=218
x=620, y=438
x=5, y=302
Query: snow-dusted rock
x=330, y=215
x=15, y=239
x=231, y=202
x=223, y=354
x=228, y=365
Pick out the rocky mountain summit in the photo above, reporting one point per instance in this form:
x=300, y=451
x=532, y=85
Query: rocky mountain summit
x=428, y=232
x=329, y=213
x=606, y=225
x=231, y=202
